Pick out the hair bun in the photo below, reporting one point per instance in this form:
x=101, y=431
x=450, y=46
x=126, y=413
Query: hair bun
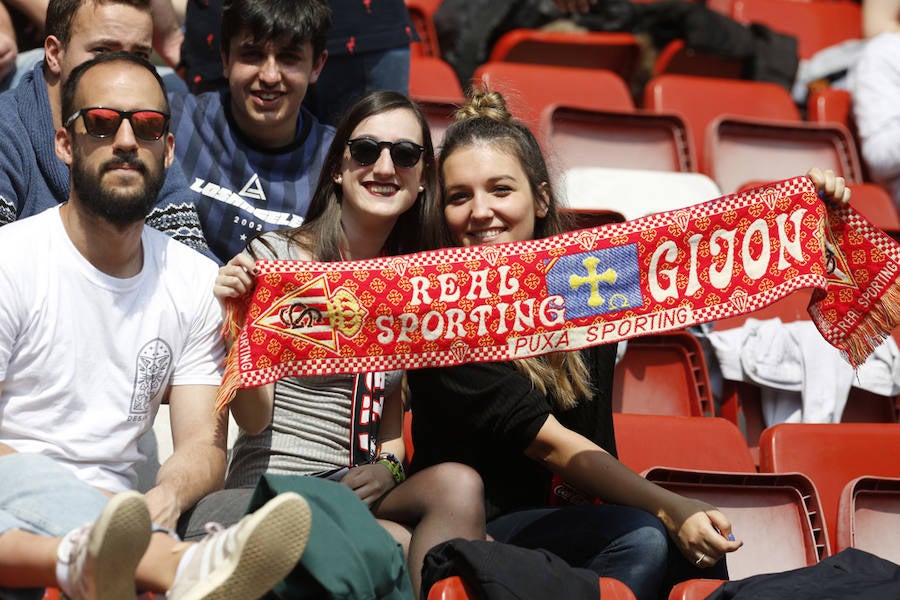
x=484, y=103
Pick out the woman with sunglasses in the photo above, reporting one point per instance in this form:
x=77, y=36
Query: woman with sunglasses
x=374, y=198
x=518, y=423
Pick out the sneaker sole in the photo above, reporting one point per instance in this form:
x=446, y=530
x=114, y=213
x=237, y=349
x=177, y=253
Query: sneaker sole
x=276, y=537
x=118, y=540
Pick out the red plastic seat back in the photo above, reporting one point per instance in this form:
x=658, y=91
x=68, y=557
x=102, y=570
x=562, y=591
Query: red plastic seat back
x=699, y=100
x=694, y=589
x=623, y=139
x=875, y=204
x=421, y=13
x=739, y=150
x=702, y=443
x=830, y=105
x=816, y=25
x=454, y=588
x=530, y=88
x=433, y=79
x=869, y=517
x=676, y=58
x=616, y=52
x=831, y=455
x=663, y=374
x=656, y=379
x=778, y=517
x=439, y=115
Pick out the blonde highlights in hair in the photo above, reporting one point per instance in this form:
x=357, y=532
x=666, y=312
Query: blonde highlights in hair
x=484, y=118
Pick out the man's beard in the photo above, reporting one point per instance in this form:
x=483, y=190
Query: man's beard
x=117, y=206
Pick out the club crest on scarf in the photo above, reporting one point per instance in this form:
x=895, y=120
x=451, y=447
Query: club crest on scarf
x=315, y=314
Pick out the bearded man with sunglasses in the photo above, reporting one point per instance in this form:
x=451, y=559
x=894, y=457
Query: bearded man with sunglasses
x=101, y=319
x=251, y=153
x=32, y=178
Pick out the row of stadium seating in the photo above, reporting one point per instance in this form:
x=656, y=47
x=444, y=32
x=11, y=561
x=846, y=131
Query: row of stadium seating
x=816, y=25
x=819, y=489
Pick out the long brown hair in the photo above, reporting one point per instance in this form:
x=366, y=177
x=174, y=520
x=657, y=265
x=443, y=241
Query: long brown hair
x=320, y=233
x=484, y=119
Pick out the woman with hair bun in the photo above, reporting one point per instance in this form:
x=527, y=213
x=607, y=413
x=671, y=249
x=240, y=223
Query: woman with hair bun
x=518, y=423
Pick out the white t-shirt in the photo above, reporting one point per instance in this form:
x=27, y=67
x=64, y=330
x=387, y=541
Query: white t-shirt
x=85, y=358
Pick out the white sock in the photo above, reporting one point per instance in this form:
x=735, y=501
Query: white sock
x=63, y=561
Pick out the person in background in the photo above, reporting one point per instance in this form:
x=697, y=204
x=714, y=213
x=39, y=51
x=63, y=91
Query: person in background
x=505, y=419
x=880, y=16
x=251, y=153
x=874, y=84
x=29, y=18
x=368, y=49
x=32, y=178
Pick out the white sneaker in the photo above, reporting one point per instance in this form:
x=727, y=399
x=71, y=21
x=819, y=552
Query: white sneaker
x=244, y=561
x=98, y=560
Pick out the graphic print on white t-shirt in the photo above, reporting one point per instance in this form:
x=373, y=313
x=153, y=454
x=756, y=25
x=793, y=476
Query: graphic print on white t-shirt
x=151, y=372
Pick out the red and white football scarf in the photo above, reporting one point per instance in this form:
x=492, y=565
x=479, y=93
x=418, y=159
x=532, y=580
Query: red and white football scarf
x=725, y=257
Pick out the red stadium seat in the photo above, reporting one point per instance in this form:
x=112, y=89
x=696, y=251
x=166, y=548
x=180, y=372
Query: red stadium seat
x=697, y=443
x=454, y=588
x=663, y=374
x=616, y=52
x=421, y=13
x=875, y=204
x=869, y=517
x=655, y=380
x=829, y=105
x=529, y=88
x=816, y=25
x=579, y=137
x=699, y=100
x=778, y=517
x=433, y=79
x=677, y=59
x=439, y=115
x=740, y=149
x=407, y=437
x=831, y=455
x=694, y=589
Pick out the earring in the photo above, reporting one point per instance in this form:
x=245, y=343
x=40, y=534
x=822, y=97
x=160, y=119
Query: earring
x=421, y=188
x=338, y=179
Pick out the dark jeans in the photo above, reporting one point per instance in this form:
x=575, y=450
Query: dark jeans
x=624, y=543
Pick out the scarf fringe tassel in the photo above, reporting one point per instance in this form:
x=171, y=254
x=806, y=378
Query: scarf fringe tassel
x=235, y=315
x=876, y=326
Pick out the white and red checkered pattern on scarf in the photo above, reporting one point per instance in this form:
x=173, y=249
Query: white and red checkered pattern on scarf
x=501, y=302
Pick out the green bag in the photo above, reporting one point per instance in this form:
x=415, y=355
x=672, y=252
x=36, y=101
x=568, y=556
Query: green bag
x=348, y=556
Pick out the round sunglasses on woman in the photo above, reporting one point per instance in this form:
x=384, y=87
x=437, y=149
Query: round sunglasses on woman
x=366, y=151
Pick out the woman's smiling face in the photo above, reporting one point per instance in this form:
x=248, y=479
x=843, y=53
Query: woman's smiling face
x=382, y=188
x=487, y=196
